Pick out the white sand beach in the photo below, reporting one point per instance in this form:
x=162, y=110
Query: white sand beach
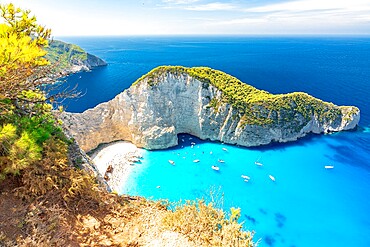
x=120, y=156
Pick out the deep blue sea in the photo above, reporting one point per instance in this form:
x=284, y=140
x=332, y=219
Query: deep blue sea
x=307, y=205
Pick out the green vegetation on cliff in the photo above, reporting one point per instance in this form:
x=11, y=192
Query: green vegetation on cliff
x=63, y=54
x=70, y=58
x=254, y=106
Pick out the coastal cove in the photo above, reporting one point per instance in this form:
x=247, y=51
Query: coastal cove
x=307, y=205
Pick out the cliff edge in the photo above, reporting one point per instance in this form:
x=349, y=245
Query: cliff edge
x=206, y=103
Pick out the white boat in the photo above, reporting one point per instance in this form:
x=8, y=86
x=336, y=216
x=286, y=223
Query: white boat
x=193, y=143
x=216, y=168
x=171, y=162
x=245, y=177
x=272, y=178
x=246, y=180
x=196, y=161
x=329, y=167
x=224, y=149
x=258, y=163
x=221, y=161
x=134, y=160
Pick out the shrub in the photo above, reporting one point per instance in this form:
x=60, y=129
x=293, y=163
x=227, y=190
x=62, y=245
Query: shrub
x=206, y=225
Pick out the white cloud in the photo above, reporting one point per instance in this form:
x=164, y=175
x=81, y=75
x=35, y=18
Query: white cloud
x=179, y=2
x=212, y=7
x=301, y=16
x=193, y=5
x=313, y=5
x=242, y=21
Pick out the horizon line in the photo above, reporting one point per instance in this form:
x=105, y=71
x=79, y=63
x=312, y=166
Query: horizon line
x=225, y=35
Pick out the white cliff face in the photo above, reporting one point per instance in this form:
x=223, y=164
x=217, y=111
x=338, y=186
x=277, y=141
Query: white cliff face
x=152, y=116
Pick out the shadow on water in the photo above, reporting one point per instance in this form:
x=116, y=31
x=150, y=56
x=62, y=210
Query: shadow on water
x=269, y=240
x=187, y=140
x=351, y=149
x=352, y=142
x=280, y=220
x=281, y=146
x=263, y=211
x=250, y=219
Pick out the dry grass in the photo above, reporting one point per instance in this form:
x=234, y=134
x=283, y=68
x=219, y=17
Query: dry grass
x=49, y=220
x=206, y=225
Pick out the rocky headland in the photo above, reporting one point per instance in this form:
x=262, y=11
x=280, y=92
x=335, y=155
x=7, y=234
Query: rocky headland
x=206, y=103
x=70, y=58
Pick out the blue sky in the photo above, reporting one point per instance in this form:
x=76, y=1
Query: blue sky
x=158, y=17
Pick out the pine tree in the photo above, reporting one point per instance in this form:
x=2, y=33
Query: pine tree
x=26, y=120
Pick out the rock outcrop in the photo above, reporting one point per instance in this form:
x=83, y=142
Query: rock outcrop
x=70, y=58
x=208, y=104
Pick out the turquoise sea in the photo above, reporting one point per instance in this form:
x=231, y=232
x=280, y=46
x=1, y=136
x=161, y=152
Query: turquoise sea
x=306, y=205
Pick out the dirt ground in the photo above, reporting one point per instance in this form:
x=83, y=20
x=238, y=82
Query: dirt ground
x=47, y=221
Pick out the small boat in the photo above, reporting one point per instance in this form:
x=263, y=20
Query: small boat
x=221, y=161
x=190, y=138
x=245, y=177
x=211, y=152
x=258, y=163
x=246, y=180
x=329, y=167
x=193, y=143
x=158, y=187
x=216, y=168
x=171, y=162
x=182, y=140
x=134, y=160
x=224, y=149
x=192, y=146
x=272, y=178
x=196, y=161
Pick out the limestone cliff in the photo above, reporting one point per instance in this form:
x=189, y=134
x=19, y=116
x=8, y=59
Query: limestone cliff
x=208, y=104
